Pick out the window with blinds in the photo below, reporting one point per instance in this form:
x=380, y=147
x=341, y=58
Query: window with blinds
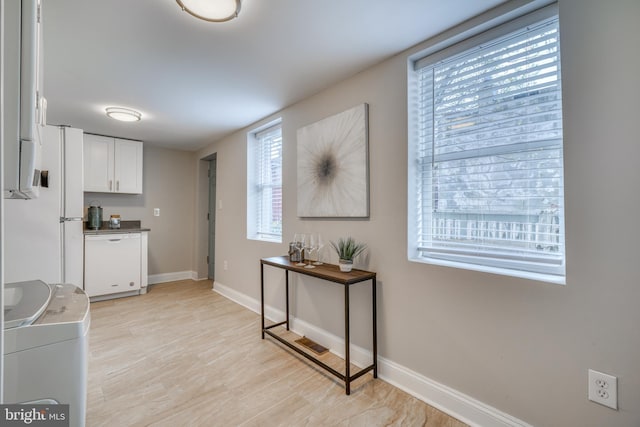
x=486, y=165
x=264, y=192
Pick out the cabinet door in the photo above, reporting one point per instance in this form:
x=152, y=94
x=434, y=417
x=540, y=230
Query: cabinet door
x=98, y=163
x=128, y=166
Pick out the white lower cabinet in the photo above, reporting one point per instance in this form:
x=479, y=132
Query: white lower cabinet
x=114, y=263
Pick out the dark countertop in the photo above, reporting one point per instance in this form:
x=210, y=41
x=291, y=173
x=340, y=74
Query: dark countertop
x=125, y=227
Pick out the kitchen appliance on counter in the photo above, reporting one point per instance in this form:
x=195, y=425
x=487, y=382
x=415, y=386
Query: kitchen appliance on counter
x=46, y=332
x=43, y=237
x=114, y=222
x=94, y=216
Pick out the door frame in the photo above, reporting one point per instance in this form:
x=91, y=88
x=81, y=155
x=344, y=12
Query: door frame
x=211, y=216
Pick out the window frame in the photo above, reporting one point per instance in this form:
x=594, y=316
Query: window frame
x=256, y=187
x=443, y=50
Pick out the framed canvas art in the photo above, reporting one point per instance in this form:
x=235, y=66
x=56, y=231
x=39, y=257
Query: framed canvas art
x=333, y=166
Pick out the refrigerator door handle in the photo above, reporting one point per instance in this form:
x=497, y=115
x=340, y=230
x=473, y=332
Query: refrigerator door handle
x=73, y=218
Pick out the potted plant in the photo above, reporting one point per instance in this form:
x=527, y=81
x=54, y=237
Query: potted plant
x=347, y=250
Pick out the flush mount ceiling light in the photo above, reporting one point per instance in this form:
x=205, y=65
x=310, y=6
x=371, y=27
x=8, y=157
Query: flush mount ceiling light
x=123, y=114
x=211, y=10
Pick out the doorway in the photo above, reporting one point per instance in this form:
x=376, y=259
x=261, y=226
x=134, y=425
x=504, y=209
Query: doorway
x=211, y=217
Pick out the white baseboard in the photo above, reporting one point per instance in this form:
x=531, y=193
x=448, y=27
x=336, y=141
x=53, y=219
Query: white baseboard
x=172, y=277
x=194, y=277
x=457, y=404
x=239, y=298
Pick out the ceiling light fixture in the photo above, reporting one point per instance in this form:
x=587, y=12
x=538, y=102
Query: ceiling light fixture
x=211, y=10
x=123, y=114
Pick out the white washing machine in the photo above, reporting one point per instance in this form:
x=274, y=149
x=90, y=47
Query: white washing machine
x=46, y=343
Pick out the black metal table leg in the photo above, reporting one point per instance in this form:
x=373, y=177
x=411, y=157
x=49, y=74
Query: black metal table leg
x=287, y=292
x=262, y=297
x=375, y=329
x=347, y=380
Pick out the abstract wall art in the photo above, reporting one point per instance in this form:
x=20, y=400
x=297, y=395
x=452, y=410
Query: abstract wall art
x=333, y=166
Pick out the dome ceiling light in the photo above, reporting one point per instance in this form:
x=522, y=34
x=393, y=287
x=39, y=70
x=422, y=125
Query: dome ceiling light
x=123, y=114
x=211, y=10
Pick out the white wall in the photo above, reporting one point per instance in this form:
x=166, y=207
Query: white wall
x=520, y=346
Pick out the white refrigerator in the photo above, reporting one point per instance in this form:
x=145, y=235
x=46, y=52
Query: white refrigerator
x=44, y=236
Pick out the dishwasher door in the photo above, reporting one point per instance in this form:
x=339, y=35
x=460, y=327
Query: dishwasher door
x=112, y=263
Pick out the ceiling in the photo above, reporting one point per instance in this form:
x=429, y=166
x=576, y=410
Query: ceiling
x=195, y=82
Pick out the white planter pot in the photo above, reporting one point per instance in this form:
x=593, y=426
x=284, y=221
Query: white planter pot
x=345, y=265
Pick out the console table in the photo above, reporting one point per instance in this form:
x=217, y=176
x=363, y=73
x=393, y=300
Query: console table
x=333, y=274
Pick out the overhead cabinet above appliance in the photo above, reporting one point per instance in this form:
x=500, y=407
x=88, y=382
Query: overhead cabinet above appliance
x=112, y=165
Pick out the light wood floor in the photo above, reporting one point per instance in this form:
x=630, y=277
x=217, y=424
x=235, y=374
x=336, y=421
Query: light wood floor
x=182, y=355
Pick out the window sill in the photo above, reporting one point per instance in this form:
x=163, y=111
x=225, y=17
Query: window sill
x=263, y=239
x=541, y=277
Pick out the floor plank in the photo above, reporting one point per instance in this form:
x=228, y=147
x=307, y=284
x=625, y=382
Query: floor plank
x=182, y=355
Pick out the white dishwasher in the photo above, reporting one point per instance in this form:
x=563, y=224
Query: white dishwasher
x=112, y=263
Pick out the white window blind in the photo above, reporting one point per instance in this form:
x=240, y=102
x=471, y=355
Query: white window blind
x=488, y=166
x=264, y=216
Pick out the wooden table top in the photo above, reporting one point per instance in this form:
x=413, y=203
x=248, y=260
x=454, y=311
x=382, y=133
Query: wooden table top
x=324, y=271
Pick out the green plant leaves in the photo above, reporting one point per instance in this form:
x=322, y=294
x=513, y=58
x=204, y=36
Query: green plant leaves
x=348, y=248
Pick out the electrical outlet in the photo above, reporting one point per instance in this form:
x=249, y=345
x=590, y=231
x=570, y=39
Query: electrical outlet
x=225, y=265
x=603, y=389
x=156, y=212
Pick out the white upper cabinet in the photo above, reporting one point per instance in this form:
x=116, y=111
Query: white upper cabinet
x=98, y=163
x=127, y=166
x=112, y=165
